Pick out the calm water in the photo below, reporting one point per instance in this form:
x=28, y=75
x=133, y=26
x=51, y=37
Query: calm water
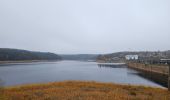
x=68, y=70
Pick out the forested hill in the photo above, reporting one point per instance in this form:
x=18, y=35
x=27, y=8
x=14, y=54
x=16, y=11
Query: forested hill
x=7, y=54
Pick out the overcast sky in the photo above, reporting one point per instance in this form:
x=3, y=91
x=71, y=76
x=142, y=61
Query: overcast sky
x=85, y=26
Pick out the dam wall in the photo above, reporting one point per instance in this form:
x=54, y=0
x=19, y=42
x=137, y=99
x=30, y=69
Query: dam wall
x=156, y=73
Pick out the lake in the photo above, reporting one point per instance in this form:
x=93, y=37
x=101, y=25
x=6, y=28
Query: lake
x=26, y=73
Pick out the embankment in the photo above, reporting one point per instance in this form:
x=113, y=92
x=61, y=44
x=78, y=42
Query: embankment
x=156, y=73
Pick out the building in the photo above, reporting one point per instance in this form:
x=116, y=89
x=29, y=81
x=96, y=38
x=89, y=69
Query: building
x=131, y=57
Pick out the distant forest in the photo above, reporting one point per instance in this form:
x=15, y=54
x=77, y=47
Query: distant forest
x=82, y=57
x=7, y=54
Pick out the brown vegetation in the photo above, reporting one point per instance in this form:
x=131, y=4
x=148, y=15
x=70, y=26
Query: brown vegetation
x=77, y=90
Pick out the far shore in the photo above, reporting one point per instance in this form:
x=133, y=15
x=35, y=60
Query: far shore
x=25, y=61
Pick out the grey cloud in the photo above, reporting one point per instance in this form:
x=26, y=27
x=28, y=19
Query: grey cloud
x=85, y=26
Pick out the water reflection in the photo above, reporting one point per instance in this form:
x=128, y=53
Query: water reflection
x=132, y=73
x=129, y=71
x=25, y=63
x=111, y=66
x=1, y=83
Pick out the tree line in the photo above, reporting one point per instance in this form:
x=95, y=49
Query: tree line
x=7, y=54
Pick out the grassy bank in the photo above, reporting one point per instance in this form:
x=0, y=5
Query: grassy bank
x=77, y=90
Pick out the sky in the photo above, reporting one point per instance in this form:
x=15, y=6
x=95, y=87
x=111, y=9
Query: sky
x=85, y=26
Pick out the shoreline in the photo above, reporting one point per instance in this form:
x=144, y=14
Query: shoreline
x=44, y=83
x=25, y=61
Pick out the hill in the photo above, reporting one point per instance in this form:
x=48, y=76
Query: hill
x=143, y=55
x=7, y=54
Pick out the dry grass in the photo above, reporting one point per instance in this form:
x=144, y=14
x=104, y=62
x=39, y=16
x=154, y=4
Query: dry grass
x=77, y=90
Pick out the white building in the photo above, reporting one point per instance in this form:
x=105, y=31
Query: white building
x=131, y=57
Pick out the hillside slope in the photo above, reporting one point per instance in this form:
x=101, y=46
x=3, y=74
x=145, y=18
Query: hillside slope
x=143, y=55
x=7, y=54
